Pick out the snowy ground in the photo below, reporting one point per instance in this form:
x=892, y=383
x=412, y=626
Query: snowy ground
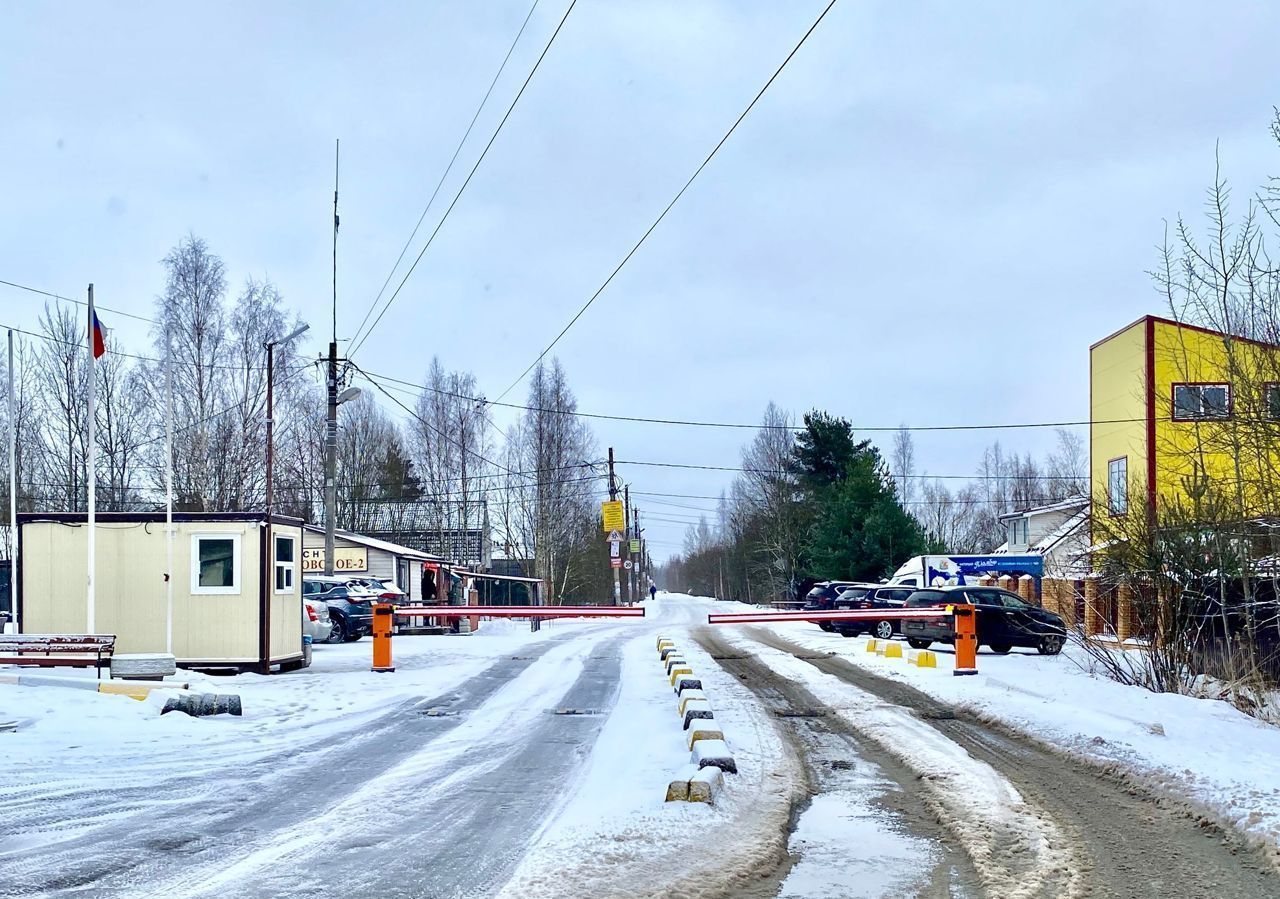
x=335, y=782
x=1200, y=749
x=337, y=770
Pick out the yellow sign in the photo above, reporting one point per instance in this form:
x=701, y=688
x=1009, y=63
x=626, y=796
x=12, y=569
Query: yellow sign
x=614, y=518
x=345, y=558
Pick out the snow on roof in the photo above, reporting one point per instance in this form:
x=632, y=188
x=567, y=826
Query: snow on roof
x=1070, y=502
x=374, y=543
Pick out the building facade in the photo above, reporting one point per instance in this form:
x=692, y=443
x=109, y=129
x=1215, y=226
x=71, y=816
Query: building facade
x=1181, y=413
x=237, y=599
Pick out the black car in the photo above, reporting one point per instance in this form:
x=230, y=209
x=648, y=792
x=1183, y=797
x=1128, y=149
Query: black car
x=350, y=606
x=1005, y=620
x=887, y=598
x=823, y=596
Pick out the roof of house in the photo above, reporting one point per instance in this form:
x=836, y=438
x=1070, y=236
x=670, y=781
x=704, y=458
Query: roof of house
x=1186, y=325
x=1065, y=529
x=374, y=543
x=1071, y=502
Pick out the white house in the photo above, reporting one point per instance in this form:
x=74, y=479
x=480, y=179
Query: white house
x=1058, y=531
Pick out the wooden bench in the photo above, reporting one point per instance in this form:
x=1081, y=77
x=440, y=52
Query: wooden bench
x=54, y=650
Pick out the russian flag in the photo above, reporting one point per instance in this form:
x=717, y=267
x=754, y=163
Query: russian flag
x=99, y=336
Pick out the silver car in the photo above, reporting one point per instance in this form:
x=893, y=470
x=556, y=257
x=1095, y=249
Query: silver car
x=315, y=620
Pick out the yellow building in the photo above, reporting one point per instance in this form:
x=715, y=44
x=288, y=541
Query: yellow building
x=236, y=602
x=1182, y=413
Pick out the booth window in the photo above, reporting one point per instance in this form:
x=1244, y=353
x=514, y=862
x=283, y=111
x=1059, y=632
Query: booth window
x=1201, y=402
x=215, y=563
x=1118, y=485
x=284, y=564
x=1271, y=400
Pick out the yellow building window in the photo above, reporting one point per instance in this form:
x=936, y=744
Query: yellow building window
x=1118, y=486
x=1201, y=402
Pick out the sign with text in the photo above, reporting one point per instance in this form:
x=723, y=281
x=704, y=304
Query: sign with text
x=615, y=518
x=635, y=546
x=615, y=550
x=615, y=563
x=345, y=558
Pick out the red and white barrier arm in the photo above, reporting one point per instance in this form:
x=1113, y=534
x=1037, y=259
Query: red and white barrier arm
x=522, y=611
x=833, y=615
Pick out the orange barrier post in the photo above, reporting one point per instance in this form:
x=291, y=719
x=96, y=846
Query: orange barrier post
x=966, y=625
x=383, y=617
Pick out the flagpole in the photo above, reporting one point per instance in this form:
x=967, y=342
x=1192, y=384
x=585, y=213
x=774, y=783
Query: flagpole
x=13, y=498
x=168, y=491
x=91, y=463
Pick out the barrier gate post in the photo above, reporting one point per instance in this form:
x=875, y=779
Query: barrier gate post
x=383, y=619
x=966, y=625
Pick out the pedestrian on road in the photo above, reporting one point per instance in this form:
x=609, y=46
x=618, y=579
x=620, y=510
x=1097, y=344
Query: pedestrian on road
x=653, y=592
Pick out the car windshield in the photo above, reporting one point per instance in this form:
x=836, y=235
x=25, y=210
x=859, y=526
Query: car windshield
x=855, y=593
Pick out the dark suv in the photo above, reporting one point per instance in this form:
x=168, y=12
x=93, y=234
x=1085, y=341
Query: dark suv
x=350, y=606
x=887, y=598
x=823, y=597
x=1005, y=620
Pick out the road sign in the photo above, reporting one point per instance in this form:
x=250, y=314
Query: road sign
x=615, y=550
x=635, y=546
x=615, y=519
x=615, y=537
x=627, y=564
x=615, y=563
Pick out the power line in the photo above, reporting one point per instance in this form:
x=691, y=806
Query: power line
x=461, y=189
x=637, y=419
x=448, y=168
x=924, y=477
x=112, y=352
x=96, y=305
x=673, y=202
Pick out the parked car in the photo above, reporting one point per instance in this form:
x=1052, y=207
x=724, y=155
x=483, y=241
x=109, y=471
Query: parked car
x=350, y=606
x=823, y=595
x=385, y=588
x=1005, y=620
x=887, y=598
x=315, y=620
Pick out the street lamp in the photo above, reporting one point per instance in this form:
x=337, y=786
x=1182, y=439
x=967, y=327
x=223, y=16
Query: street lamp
x=268, y=577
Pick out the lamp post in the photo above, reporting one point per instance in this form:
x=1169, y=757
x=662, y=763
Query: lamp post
x=268, y=578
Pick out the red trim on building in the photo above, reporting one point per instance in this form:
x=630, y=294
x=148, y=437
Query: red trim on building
x=1149, y=319
x=1151, y=412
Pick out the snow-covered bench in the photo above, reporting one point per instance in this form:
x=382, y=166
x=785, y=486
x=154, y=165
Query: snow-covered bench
x=54, y=650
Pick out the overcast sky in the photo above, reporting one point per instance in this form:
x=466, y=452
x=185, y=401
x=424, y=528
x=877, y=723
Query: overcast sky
x=927, y=219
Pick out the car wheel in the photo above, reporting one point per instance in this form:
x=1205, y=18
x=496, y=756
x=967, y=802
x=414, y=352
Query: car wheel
x=826, y=626
x=884, y=630
x=848, y=633
x=1001, y=648
x=916, y=643
x=337, y=633
x=352, y=638
x=1050, y=645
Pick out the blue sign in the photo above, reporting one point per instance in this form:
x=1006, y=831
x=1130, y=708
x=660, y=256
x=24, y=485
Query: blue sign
x=953, y=569
x=1029, y=564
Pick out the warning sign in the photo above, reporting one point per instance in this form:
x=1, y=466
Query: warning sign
x=615, y=563
x=615, y=518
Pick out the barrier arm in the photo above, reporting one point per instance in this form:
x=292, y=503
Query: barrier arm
x=964, y=618
x=524, y=611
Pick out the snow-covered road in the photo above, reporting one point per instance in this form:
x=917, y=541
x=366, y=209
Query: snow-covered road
x=446, y=778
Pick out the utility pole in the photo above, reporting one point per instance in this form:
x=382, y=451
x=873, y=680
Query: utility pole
x=638, y=588
x=13, y=498
x=626, y=539
x=331, y=422
x=331, y=459
x=613, y=497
